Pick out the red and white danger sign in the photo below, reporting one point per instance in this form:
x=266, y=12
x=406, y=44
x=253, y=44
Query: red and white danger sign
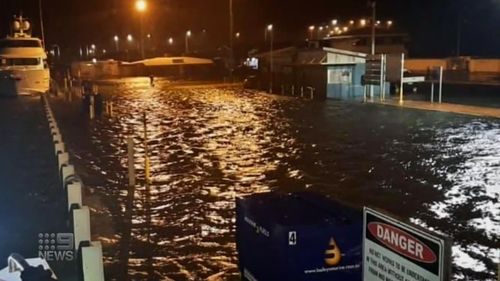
x=396, y=251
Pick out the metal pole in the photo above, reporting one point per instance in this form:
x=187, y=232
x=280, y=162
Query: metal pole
x=432, y=92
x=231, y=38
x=374, y=19
x=41, y=22
x=401, y=86
x=187, y=44
x=381, y=77
x=272, y=61
x=440, y=84
x=142, y=36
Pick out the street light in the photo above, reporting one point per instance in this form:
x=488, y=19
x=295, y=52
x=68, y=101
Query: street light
x=140, y=6
x=117, y=39
x=130, y=38
x=335, y=22
x=170, y=41
x=311, y=32
x=188, y=34
x=269, y=30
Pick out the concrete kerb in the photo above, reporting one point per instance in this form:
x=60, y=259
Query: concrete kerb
x=90, y=252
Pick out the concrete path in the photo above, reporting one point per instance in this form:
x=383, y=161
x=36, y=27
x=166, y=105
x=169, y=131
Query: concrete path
x=443, y=107
x=31, y=200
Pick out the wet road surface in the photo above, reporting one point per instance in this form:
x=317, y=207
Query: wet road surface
x=208, y=145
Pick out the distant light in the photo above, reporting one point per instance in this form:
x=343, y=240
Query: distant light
x=140, y=5
x=116, y=38
x=312, y=27
x=389, y=23
x=188, y=33
x=351, y=22
x=270, y=27
x=377, y=23
x=170, y=40
x=204, y=30
x=94, y=60
x=320, y=28
x=149, y=36
x=130, y=38
x=237, y=35
x=362, y=22
x=92, y=46
x=335, y=22
x=345, y=29
x=104, y=51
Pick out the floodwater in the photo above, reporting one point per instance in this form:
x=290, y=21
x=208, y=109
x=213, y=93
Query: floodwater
x=208, y=145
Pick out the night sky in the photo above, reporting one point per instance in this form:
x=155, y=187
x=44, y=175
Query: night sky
x=432, y=24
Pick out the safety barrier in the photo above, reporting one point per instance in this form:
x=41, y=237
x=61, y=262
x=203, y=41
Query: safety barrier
x=90, y=260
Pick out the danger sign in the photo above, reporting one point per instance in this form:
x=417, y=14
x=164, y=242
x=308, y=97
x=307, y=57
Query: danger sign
x=395, y=251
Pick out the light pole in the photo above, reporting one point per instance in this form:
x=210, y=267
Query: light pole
x=41, y=22
x=130, y=39
x=141, y=6
x=188, y=34
x=374, y=20
x=311, y=32
x=117, y=45
x=231, y=39
x=269, y=30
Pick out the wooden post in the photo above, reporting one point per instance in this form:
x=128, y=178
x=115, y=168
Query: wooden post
x=131, y=162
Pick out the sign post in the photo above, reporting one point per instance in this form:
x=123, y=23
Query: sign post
x=393, y=250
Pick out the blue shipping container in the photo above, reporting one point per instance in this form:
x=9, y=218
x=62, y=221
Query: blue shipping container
x=298, y=237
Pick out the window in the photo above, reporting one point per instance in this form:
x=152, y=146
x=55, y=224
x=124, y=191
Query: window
x=20, y=44
x=20, y=62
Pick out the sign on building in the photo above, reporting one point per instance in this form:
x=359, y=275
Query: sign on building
x=396, y=251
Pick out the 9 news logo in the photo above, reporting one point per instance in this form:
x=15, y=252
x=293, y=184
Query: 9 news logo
x=56, y=246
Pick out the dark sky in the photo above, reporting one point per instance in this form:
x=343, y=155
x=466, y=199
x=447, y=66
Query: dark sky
x=432, y=24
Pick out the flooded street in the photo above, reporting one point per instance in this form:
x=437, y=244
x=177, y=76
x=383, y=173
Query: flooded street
x=208, y=145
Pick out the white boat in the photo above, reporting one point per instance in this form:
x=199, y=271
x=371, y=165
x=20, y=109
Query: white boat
x=23, y=62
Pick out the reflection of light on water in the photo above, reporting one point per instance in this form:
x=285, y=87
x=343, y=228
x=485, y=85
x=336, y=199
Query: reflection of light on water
x=475, y=187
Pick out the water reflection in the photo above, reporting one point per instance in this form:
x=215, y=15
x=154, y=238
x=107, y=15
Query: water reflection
x=211, y=144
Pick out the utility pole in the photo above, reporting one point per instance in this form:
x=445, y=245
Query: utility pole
x=41, y=22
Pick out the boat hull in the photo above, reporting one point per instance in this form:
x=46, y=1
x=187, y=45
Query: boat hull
x=24, y=82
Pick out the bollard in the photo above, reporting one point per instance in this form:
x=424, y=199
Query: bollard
x=57, y=138
x=91, y=108
x=59, y=148
x=111, y=109
x=301, y=91
x=67, y=171
x=74, y=191
x=293, y=90
x=312, y=92
x=92, y=268
x=62, y=158
x=432, y=92
x=81, y=225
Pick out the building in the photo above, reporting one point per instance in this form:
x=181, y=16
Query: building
x=318, y=73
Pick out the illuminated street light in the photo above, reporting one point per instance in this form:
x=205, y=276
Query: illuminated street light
x=170, y=41
x=351, y=22
x=130, y=38
x=149, y=36
x=362, y=22
x=271, y=67
x=92, y=46
x=389, y=23
x=117, y=39
x=345, y=29
x=237, y=35
x=311, y=32
x=141, y=5
x=188, y=34
x=377, y=23
x=335, y=22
